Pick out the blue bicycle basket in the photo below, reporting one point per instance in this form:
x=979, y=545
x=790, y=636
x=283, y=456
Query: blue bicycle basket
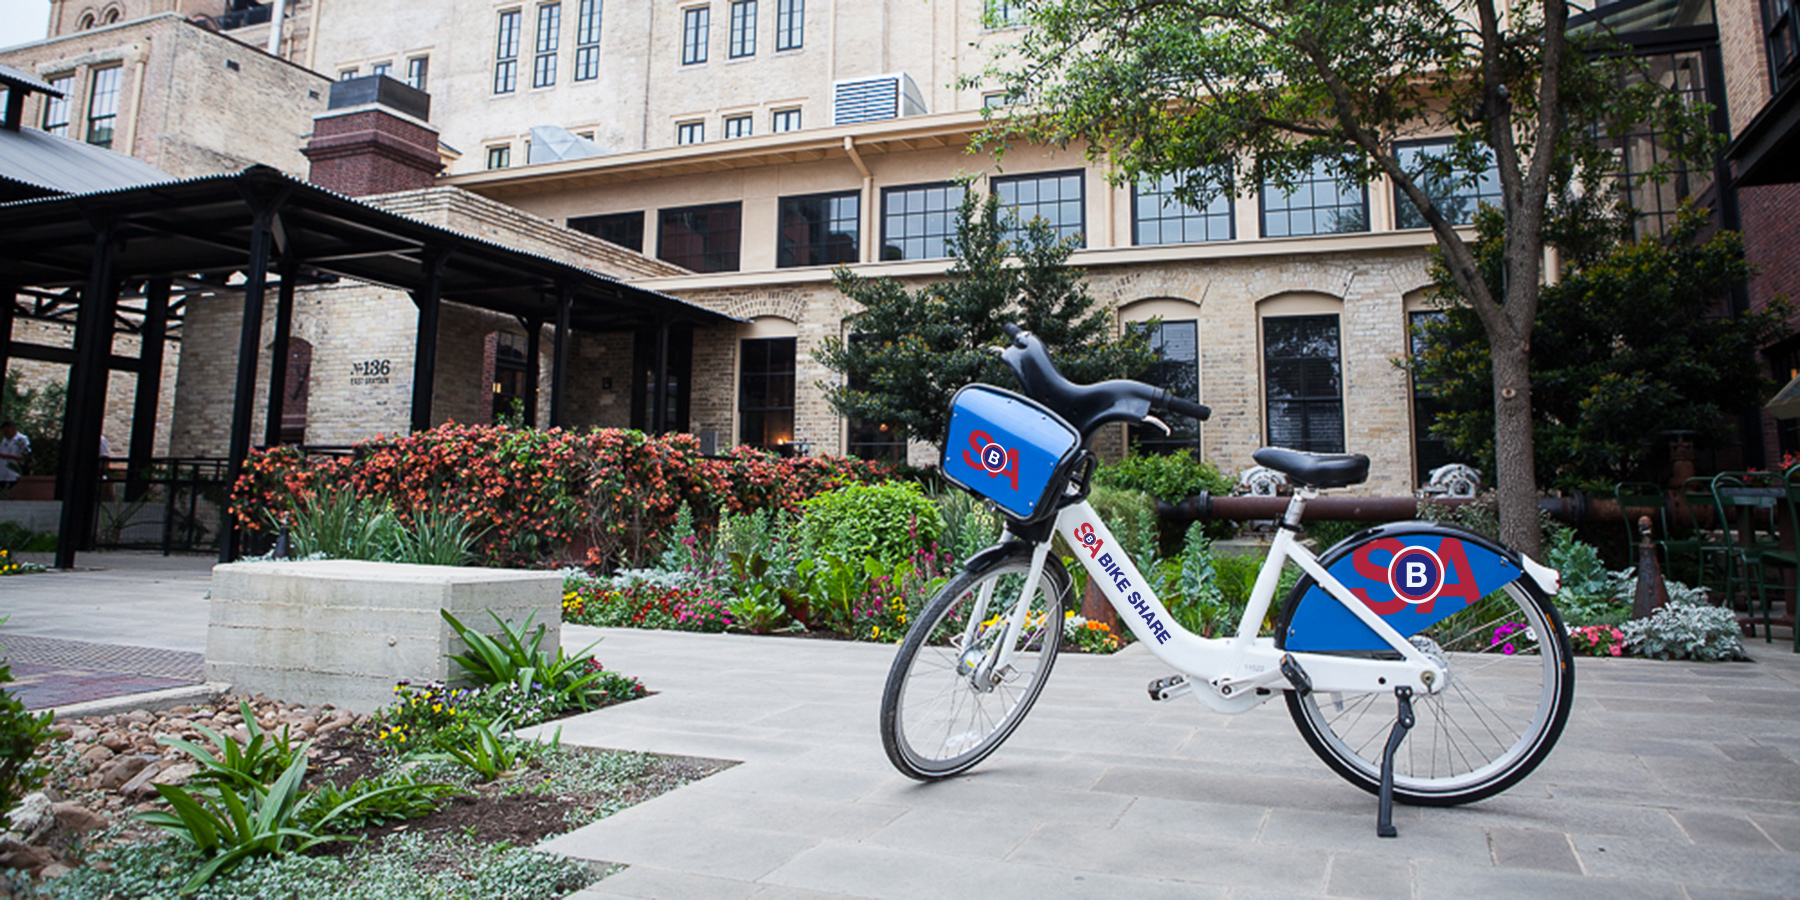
x=1009, y=449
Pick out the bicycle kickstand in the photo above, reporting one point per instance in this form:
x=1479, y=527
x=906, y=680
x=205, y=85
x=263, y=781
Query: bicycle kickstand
x=1403, y=722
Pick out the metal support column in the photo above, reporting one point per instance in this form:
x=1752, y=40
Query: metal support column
x=430, y=303
x=80, y=475
x=278, y=354
x=243, y=411
x=559, y=358
x=149, y=386
x=659, y=418
x=9, y=303
x=534, y=346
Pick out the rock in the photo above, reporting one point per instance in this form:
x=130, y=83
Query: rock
x=54, y=870
x=32, y=815
x=77, y=818
x=177, y=774
x=16, y=854
x=139, y=785
x=116, y=742
x=121, y=770
x=181, y=711
x=96, y=756
x=83, y=735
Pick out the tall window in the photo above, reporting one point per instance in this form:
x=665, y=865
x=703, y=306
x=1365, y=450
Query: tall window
x=743, y=28
x=820, y=230
x=1157, y=217
x=694, y=25
x=790, y=24
x=1055, y=197
x=506, y=54
x=56, y=109
x=624, y=229
x=512, y=370
x=784, y=120
x=103, y=105
x=418, y=71
x=1176, y=344
x=701, y=238
x=873, y=440
x=499, y=156
x=916, y=221
x=549, y=38
x=1317, y=204
x=766, y=392
x=587, y=40
x=1452, y=193
x=738, y=126
x=1657, y=196
x=690, y=132
x=1781, y=22
x=1429, y=451
x=1304, y=387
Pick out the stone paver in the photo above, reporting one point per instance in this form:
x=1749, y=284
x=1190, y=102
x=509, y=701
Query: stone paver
x=1103, y=793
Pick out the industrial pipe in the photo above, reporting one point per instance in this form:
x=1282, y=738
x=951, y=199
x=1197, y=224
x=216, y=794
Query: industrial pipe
x=1574, y=509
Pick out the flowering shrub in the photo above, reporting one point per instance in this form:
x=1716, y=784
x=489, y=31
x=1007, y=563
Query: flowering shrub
x=1512, y=637
x=420, y=713
x=530, y=495
x=1089, y=636
x=646, y=604
x=1598, y=640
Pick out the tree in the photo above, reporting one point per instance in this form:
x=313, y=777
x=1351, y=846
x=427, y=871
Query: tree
x=1629, y=343
x=1192, y=87
x=912, y=350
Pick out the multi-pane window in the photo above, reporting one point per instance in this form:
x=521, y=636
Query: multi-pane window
x=690, y=132
x=499, y=156
x=1176, y=345
x=103, y=105
x=418, y=71
x=347, y=74
x=56, y=109
x=1055, y=197
x=512, y=373
x=624, y=229
x=1781, y=24
x=506, y=53
x=701, y=238
x=1651, y=179
x=1317, y=204
x=820, y=230
x=916, y=222
x=743, y=28
x=790, y=24
x=1159, y=217
x=766, y=392
x=1001, y=13
x=382, y=68
x=1431, y=452
x=587, y=40
x=1453, y=194
x=870, y=439
x=784, y=120
x=738, y=126
x=695, y=23
x=549, y=39
x=1304, y=382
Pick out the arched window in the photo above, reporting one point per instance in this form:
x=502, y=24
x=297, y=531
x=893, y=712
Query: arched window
x=111, y=16
x=766, y=383
x=1303, y=371
x=86, y=22
x=1172, y=327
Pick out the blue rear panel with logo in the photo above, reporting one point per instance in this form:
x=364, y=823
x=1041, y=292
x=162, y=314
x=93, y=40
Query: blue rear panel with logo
x=1008, y=449
x=1412, y=580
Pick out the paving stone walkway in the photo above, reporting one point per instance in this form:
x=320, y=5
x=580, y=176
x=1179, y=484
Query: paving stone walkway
x=48, y=672
x=1673, y=780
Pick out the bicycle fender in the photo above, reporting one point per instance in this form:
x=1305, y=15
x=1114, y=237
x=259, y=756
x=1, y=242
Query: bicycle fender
x=1412, y=574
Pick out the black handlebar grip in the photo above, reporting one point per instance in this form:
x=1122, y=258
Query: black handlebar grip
x=1186, y=407
x=1012, y=331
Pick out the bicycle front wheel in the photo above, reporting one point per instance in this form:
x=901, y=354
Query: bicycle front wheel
x=958, y=686
x=1504, y=705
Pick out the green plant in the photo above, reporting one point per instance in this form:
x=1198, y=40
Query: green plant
x=21, y=733
x=1195, y=599
x=1131, y=516
x=1590, y=595
x=486, y=749
x=513, y=657
x=761, y=603
x=342, y=525
x=257, y=761
x=16, y=538
x=889, y=522
x=437, y=535
x=969, y=525
x=1169, y=477
x=1687, y=631
x=373, y=801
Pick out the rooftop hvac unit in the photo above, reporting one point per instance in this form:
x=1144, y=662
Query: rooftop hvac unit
x=872, y=99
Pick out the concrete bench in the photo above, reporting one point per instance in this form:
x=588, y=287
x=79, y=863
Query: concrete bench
x=344, y=631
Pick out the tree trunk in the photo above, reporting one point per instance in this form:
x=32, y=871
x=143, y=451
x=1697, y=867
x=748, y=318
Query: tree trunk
x=1516, y=475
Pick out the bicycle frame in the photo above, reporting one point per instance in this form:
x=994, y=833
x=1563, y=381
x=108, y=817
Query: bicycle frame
x=1238, y=673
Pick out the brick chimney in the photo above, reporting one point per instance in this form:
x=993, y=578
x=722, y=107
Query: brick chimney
x=373, y=138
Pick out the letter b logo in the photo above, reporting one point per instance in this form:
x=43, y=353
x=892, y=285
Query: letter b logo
x=1415, y=576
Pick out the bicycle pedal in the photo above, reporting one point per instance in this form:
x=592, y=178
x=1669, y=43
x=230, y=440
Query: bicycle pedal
x=1169, y=687
x=1296, y=676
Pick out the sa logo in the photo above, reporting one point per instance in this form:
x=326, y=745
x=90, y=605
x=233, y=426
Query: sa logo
x=1085, y=534
x=1418, y=577
x=992, y=458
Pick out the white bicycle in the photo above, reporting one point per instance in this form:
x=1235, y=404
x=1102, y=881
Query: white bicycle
x=1414, y=628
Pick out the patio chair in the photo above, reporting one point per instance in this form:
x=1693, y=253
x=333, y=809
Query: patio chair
x=1639, y=498
x=1748, y=504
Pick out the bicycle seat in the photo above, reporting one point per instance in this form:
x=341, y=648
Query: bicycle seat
x=1320, y=470
x=1085, y=406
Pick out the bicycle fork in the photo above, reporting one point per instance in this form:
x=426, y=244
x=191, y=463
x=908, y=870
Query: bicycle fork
x=984, y=667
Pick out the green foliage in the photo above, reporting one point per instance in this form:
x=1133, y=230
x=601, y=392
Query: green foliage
x=514, y=658
x=1195, y=600
x=1631, y=341
x=914, y=349
x=21, y=733
x=258, y=761
x=889, y=522
x=16, y=538
x=1590, y=595
x=761, y=602
x=484, y=748
x=39, y=415
x=340, y=524
x=969, y=526
x=1687, y=631
x=763, y=532
x=1481, y=515
x=374, y=801
x=1131, y=516
x=436, y=536
x=1170, y=478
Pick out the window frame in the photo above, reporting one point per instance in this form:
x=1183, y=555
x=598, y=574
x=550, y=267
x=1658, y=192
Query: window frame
x=1262, y=202
x=547, y=45
x=998, y=14
x=600, y=224
x=746, y=122
x=107, y=82
x=790, y=25
x=786, y=259
x=712, y=259
x=1781, y=41
x=694, y=127
x=501, y=154
x=995, y=184
x=696, y=32
x=418, y=71
x=587, y=41
x=506, y=50
x=65, y=105
x=1185, y=432
x=741, y=35
x=385, y=67
x=1403, y=206
x=1306, y=402
x=1185, y=214
x=772, y=377
x=887, y=216
x=776, y=117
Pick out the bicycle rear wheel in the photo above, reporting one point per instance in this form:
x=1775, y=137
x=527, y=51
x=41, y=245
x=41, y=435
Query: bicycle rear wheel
x=949, y=700
x=1504, y=705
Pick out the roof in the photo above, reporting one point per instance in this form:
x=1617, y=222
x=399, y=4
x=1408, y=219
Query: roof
x=36, y=163
x=19, y=78
x=203, y=227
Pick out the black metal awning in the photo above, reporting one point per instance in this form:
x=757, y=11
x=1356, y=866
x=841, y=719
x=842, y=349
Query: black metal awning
x=260, y=222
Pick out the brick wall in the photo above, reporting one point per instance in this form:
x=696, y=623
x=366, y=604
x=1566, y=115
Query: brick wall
x=121, y=387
